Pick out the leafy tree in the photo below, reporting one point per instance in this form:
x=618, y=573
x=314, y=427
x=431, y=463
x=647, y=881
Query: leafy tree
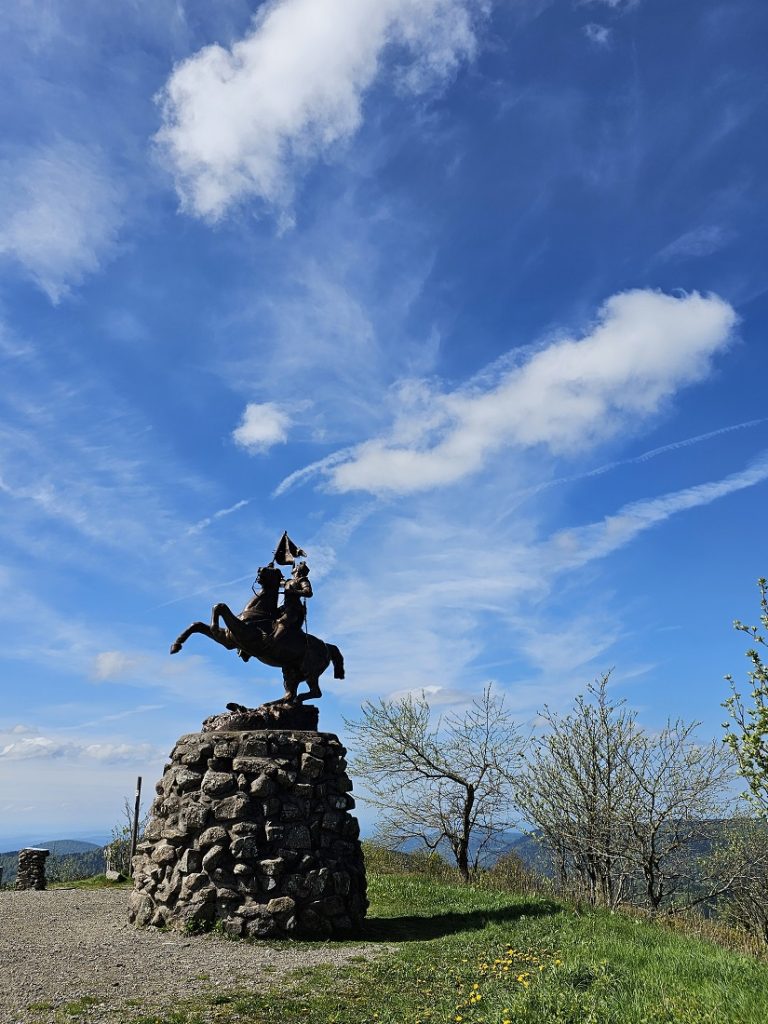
x=747, y=732
x=447, y=783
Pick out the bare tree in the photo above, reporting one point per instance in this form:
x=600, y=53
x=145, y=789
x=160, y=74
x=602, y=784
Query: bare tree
x=740, y=863
x=577, y=792
x=623, y=811
x=448, y=783
x=118, y=850
x=679, y=794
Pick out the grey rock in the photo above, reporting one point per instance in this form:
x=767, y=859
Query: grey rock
x=245, y=848
x=312, y=767
x=216, y=784
x=232, y=807
x=213, y=858
x=164, y=853
x=262, y=786
x=213, y=835
x=191, y=861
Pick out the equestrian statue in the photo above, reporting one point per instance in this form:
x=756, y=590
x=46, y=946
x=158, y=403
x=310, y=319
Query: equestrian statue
x=274, y=633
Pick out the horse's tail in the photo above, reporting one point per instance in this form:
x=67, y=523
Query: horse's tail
x=337, y=661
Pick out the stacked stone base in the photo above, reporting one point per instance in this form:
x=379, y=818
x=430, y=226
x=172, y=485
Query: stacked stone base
x=31, y=870
x=251, y=832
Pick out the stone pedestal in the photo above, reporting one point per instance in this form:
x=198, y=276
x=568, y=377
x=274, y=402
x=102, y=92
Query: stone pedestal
x=31, y=871
x=251, y=832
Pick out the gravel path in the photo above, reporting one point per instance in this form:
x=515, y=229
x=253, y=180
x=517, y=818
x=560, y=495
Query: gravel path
x=63, y=944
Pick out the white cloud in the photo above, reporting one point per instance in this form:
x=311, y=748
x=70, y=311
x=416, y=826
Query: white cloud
x=600, y=35
x=700, y=241
x=59, y=214
x=238, y=122
x=567, y=396
x=262, y=426
x=43, y=747
x=112, y=664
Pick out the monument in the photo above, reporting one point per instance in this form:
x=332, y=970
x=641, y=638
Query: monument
x=251, y=828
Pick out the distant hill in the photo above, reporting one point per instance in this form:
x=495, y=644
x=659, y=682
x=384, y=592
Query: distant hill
x=62, y=847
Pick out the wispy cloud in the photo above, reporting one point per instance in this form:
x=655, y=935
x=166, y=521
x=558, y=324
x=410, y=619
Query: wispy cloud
x=646, y=456
x=477, y=602
x=46, y=747
x=203, y=524
x=60, y=213
x=574, y=547
x=699, y=241
x=600, y=35
x=241, y=122
x=566, y=397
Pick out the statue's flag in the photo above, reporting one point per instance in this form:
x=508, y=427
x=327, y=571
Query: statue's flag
x=287, y=552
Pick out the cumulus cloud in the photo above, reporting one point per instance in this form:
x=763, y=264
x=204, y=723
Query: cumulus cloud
x=59, y=214
x=567, y=396
x=262, y=426
x=238, y=122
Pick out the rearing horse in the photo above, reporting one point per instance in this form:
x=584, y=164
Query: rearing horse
x=301, y=656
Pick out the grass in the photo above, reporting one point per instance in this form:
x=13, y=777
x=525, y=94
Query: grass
x=95, y=882
x=465, y=955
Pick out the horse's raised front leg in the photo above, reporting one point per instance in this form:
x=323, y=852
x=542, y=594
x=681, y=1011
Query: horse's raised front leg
x=219, y=635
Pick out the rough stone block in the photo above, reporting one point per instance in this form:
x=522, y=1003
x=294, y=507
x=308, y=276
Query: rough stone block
x=231, y=807
x=218, y=784
x=213, y=835
x=262, y=786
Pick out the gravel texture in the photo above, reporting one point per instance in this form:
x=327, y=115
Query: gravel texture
x=64, y=944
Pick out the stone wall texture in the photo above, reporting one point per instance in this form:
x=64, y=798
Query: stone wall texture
x=251, y=832
x=31, y=871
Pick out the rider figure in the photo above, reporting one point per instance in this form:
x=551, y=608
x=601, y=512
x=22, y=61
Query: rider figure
x=292, y=613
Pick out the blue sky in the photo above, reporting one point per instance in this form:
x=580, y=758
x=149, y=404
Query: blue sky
x=469, y=296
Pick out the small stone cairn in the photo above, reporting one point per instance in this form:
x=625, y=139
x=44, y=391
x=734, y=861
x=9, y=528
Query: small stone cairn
x=31, y=870
x=251, y=832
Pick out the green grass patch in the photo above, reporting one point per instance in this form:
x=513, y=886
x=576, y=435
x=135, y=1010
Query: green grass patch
x=77, y=1007
x=95, y=882
x=463, y=955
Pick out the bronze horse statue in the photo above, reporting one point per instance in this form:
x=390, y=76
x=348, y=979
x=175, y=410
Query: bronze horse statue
x=301, y=656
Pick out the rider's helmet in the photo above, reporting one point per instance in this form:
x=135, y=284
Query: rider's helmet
x=300, y=569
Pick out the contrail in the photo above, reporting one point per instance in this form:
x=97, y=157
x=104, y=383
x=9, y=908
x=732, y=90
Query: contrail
x=643, y=457
x=203, y=523
x=204, y=590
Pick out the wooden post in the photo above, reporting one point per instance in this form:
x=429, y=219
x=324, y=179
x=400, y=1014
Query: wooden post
x=135, y=832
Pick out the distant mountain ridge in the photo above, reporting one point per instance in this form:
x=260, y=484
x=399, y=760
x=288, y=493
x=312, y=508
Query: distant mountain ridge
x=62, y=847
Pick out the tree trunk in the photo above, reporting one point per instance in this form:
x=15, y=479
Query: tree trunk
x=462, y=853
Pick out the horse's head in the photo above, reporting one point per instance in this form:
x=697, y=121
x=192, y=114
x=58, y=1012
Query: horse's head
x=268, y=577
